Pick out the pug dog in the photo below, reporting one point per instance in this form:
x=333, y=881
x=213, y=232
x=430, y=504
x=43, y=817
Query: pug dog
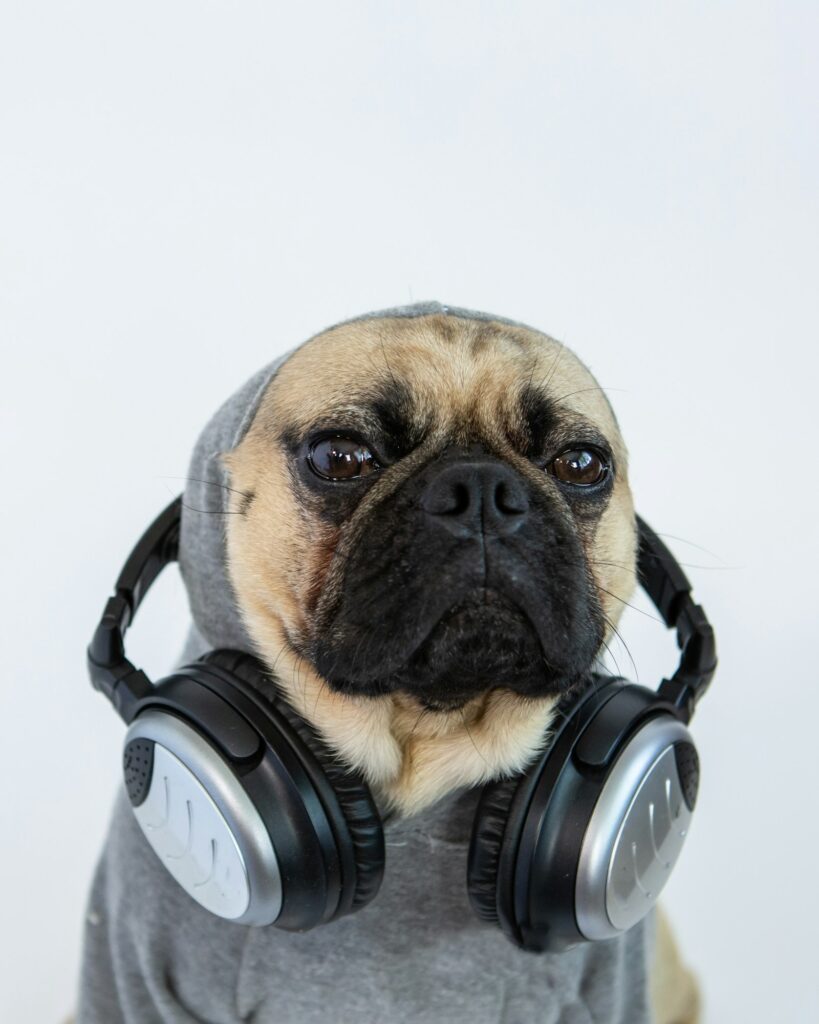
x=430, y=538
x=454, y=544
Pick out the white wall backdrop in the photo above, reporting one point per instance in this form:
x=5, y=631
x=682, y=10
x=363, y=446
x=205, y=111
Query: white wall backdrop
x=187, y=188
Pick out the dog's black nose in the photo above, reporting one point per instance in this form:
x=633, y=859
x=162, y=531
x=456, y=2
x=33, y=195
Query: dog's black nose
x=471, y=497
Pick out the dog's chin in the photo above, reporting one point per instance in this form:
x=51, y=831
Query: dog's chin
x=477, y=646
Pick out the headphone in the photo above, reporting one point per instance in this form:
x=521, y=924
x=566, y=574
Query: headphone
x=254, y=817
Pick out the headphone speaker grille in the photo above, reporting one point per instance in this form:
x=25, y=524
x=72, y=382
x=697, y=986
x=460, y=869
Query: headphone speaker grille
x=138, y=766
x=688, y=768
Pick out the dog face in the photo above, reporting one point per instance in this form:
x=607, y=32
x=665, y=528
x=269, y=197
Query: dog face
x=432, y=510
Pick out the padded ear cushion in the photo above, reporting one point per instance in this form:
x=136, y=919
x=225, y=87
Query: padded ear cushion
x=488, y=834
x=351, y=791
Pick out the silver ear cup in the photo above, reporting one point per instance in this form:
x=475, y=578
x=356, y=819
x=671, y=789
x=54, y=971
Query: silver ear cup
x=636, y=832
x=203, y=826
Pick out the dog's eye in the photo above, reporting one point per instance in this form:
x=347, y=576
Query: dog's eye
x=581, y=467
x=341, y=458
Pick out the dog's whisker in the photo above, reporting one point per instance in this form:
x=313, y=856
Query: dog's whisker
x=386, y=360
x=323, y=685
x=301, y=678
x=561, y=350
x=416, y=723
x=276, y=660
x=619, y=636
x=614, y=565
x=535, y=363
x=471, y=737
x=691, y=544
x=650, y=554
x=212, y=512
x=582, y=391
x=634, y=607
x=209, y=483
x=611, y=655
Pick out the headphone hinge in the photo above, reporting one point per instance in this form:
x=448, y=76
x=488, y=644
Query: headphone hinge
x=106, y=651
x=110, y=671
x=129, y=692
x=681, y=694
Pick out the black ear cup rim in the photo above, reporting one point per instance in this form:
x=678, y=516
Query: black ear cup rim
x=495, y=875
x=489, y=830
x=357, y=806
x=500, y=865
x=362, y=840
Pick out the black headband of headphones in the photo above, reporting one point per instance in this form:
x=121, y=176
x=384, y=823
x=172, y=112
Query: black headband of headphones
x=659, y=572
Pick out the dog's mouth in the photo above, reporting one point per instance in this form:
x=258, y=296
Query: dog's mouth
x=480, y=644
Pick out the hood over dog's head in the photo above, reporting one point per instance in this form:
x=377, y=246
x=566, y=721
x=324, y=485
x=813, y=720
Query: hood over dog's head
x=424, y=528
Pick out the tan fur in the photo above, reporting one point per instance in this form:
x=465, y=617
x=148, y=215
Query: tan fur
x=465, y=377
x=674, y=995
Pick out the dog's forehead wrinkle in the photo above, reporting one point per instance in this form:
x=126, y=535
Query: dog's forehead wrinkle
x=439, y=361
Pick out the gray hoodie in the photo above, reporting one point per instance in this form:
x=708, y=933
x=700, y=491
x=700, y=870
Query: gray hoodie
x=417, y=953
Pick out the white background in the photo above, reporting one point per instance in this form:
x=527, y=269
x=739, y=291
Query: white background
x=187, y=189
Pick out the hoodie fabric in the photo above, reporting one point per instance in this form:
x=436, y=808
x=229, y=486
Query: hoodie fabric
x=417, y=953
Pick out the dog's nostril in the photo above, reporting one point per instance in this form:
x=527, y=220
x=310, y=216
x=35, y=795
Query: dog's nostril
x=455, y=502
x=510, y=501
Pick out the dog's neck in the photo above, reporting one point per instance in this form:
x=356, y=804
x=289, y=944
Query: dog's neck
x=411, y=756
